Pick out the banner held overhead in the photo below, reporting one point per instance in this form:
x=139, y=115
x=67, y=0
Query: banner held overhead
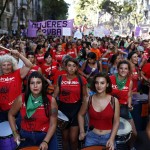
x=49, y=27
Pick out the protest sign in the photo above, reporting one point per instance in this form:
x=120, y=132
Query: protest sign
x=66, y=32
x=49, y=27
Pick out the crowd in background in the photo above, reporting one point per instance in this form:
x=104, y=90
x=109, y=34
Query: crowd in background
x=109, y=67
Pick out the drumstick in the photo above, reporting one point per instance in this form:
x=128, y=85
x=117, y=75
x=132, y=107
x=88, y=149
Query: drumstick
x=93, y=69
x=13, y=42
x=5, y=48
x=1, y=37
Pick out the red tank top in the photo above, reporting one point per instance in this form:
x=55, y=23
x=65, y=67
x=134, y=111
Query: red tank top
x=10, y=89
x=121, y=95
x=38, y=121
x=101, y=120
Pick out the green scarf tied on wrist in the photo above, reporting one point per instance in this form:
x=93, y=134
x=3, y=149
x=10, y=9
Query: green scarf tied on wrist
x=120, y=83
x=32, y=104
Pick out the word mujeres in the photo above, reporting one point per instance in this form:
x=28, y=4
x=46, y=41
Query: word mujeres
x=50, y=24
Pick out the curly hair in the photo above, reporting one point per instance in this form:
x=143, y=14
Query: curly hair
x=8, y=58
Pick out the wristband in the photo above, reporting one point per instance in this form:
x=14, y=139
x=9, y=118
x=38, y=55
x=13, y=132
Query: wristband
x=45, y=142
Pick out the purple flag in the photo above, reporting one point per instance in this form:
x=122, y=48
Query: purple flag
x=137, y=31
x=49, y=27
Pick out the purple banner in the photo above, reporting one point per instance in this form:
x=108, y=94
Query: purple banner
x=49, y=27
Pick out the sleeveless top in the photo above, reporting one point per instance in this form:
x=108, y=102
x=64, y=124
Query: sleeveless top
x=88, y=70
x=101, y=120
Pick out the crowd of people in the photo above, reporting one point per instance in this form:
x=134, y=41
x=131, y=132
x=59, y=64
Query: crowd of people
x=91, y=81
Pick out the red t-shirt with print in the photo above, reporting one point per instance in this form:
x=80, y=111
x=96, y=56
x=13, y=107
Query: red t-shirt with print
x=10, y=89
x=34, y=68
x=121, y=95
x=38, y=121
x=70, y=89
x=58, y=56
x=40, y=59
x=71, y=53
x=49, y=70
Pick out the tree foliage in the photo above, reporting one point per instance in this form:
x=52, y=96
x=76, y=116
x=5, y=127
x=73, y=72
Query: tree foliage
x=55, y=9
x=86, y=10
x=114, y=8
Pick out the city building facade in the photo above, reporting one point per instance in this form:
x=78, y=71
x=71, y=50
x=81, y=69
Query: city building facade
x=17, y=14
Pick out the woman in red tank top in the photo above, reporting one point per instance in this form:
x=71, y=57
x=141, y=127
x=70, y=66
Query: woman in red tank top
x=38, y=116
x=103, y=112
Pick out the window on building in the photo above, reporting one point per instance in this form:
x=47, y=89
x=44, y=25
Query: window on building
x=1, y=5
x=8, y=7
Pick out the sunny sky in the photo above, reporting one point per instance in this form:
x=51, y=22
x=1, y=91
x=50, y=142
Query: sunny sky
x=71, y=14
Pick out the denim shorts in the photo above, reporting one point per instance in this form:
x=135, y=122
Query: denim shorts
x=95, y=139
x=36, y=138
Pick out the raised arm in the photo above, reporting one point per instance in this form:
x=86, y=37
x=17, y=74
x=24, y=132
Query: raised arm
x=25, y=69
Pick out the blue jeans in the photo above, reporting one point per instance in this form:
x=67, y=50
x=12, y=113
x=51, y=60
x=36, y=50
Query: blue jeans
x=95, y=139
x=36, y=138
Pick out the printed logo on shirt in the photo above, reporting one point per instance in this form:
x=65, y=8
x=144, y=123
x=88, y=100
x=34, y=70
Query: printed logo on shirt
x=4, y=89
x=49, y=69
x=70, y=82
x=7, y=79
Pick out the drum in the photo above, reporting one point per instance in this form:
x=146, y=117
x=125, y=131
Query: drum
x=140, y=111
x=124, y=131
x=95, y=148
x=6, y=138
x=63, y=120
x=30, y=148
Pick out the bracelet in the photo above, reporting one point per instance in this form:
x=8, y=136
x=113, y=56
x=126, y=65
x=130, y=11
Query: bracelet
x=82, y=132
x=45, y=142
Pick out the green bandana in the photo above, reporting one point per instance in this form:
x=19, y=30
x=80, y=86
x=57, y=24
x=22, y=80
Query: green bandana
x=32, y=104
x=120, y=83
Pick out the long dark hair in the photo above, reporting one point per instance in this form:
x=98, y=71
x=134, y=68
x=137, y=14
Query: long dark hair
x=46, y=102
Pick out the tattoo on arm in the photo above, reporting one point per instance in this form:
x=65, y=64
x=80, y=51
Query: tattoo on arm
x=54, y=112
